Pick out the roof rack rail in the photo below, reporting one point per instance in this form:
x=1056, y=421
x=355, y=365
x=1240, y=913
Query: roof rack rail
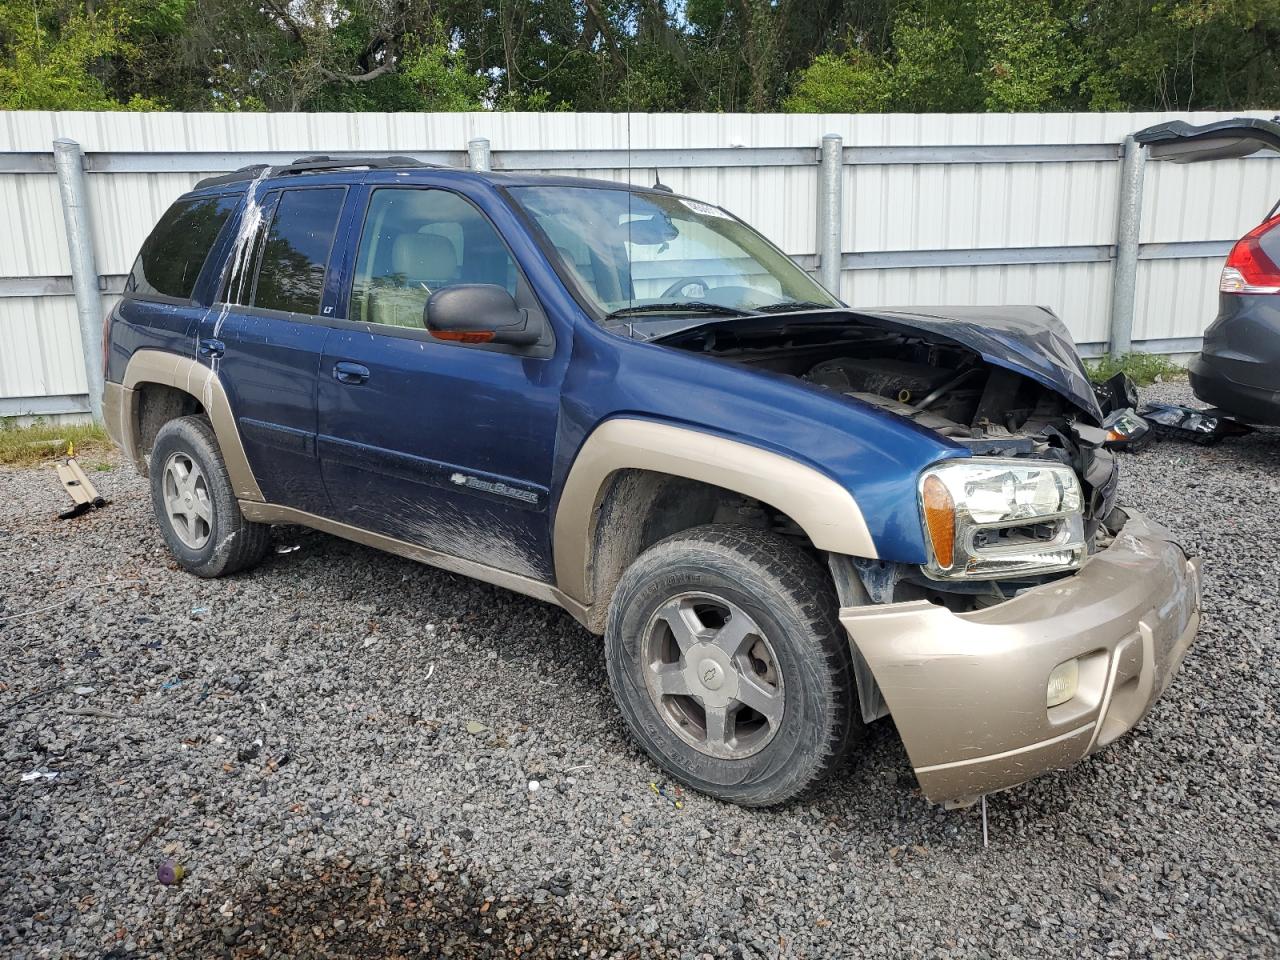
x=236, y=176
x=322, y=162
x=312, y=164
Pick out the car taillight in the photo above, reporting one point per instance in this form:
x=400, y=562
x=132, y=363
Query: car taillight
x=1251, y=267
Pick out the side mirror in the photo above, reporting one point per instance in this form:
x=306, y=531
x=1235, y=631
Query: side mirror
x=479, y=313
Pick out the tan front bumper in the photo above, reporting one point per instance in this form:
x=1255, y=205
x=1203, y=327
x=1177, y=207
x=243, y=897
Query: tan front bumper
x=967, y=691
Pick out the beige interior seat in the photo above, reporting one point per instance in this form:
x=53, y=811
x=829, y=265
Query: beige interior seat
x=421, y=263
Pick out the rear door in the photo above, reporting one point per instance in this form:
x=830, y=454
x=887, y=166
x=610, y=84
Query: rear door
x=1182, y=142
x=266, y=335
x=446, y=445
x=164, y=298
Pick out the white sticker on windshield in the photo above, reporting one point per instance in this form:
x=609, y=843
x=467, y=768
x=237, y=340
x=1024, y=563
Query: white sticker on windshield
x=705, y=209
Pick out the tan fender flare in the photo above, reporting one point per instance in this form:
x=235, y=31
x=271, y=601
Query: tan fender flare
x=120, y=409
x=826, y=511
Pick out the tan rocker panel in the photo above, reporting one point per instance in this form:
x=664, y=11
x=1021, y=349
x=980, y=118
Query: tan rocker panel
x=826, y=511
x=185, y=374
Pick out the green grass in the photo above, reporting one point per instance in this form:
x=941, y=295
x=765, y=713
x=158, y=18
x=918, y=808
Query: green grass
x=1143, y=368
x=23, y=446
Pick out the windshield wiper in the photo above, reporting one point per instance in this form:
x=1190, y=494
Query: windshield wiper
x=680, y=307
x=795, y=305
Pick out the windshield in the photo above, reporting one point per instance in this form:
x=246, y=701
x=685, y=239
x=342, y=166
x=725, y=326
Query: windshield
x=636, y=253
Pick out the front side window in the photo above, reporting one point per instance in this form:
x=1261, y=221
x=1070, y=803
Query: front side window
x=626, y=250
x=415, y=241
x=296, y=251
x=174, y=253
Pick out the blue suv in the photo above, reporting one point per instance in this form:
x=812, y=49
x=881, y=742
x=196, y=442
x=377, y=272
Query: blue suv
x=786, y=517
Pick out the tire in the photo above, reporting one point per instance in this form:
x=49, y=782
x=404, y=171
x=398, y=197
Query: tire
x=214, y=539
x=794, y=664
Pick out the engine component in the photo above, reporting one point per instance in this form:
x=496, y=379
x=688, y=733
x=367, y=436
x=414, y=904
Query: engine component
x=901, y=380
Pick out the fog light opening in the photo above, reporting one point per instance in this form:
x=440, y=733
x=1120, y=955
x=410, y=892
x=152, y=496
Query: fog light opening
x=1064, y=680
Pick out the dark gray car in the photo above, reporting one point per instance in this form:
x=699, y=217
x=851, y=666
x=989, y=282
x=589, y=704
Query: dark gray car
x=1238, y=369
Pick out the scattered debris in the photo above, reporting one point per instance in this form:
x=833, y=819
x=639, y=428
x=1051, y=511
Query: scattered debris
x=199, y=611
x=171, y=683
x=431, y=668
x=170, y=872
x=287, y=548
x=534, y=786
x=475, y=728
x=1117, y=393
x=245, y=754
x=1205, y=427
x=672, y=795
x=39, y=775
x=93, y=712
x=1127, y=431
x=84, y=691
x=83, y=495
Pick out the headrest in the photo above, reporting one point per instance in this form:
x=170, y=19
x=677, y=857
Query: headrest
x=424, y=257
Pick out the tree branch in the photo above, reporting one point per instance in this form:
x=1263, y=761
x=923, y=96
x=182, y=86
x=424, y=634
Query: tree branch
x=374, y=74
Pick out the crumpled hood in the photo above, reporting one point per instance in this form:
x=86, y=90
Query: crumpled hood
x=1028, y=340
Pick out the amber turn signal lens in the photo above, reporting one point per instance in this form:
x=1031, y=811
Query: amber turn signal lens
x=940, y=519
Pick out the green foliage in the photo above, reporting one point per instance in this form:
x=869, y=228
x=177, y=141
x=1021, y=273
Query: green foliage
x=1045, y=55
x=854, y=83
x=439, y=79
x=48, y=57
x=1143, y=369
x=643, y=55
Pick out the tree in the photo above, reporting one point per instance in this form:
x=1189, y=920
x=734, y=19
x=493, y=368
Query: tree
x=650, y=55
x=1037, y=55
x=55, y=56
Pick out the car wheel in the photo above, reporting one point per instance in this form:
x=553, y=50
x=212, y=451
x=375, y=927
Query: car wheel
x=729, y=665
x=195, y=504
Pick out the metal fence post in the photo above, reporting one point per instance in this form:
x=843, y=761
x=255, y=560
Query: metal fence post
x=830, y=187
x=68, y=162
x=1124, y=280
x=478, y=154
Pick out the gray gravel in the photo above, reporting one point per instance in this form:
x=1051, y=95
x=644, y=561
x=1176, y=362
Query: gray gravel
x=339, y=747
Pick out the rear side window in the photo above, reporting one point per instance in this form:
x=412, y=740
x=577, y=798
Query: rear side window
x=296, y=252
x=175, y=252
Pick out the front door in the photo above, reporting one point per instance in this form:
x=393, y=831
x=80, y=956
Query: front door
x=446, y=445
x=266, y=337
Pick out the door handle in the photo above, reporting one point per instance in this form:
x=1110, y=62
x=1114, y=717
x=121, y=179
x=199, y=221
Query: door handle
x=212, y=348
x=344, y=371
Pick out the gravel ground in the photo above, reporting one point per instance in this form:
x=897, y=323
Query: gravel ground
x=340, y=749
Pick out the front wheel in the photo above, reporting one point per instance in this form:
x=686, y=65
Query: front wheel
x=196, y=505
x=729, y=665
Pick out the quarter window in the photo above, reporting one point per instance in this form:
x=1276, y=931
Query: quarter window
x=416, y=241
x=174, y=253
x=296, y=251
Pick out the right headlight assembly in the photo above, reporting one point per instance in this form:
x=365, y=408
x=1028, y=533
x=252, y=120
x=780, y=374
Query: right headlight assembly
x=987, y=519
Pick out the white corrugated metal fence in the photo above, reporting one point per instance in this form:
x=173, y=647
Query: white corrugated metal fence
x=937, y=209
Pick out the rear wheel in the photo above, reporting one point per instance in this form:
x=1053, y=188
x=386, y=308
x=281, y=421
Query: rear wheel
x=729, y=665
x=195, y=504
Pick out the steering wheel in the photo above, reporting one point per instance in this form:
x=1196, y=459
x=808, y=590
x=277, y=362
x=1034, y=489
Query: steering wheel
x=677, y=288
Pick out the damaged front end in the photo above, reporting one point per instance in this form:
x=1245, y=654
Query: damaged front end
x=1046, y=619
x=1005, y=384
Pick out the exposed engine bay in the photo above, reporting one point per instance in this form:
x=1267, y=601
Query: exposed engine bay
x=939, y=385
